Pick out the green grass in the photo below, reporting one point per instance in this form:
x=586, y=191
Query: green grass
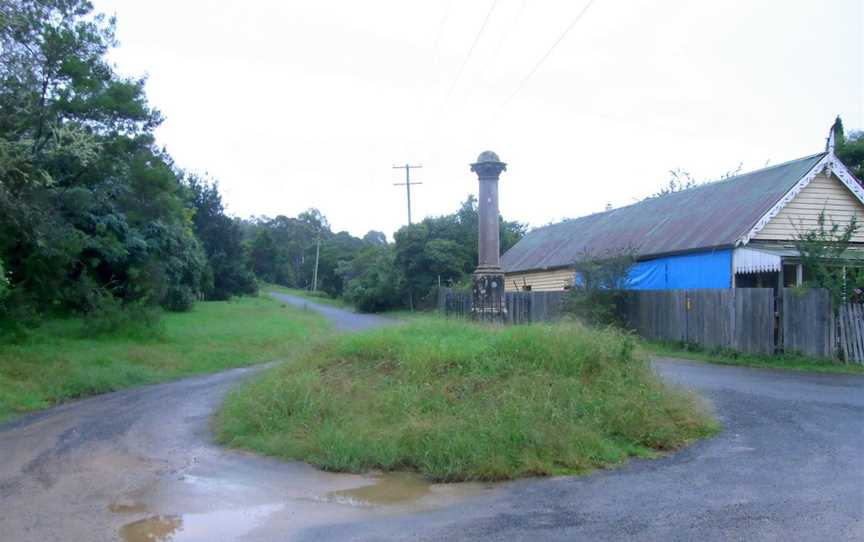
x=459, y=401
x=728, y=357
x=57, y=363
x=315, y=297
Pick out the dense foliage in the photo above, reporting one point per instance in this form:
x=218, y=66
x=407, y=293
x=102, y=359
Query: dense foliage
x=96, y=219
x=599, y=292
x=370, y=273
x=850, y=148
x=828, y=262
x=90, y=209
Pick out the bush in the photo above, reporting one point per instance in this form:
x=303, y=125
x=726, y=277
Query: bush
x=599, y=294
x=107, y=315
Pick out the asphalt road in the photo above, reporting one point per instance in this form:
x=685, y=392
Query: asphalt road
x=141, y=465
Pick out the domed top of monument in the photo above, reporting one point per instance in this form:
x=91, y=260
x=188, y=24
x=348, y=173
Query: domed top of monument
x=487, y=156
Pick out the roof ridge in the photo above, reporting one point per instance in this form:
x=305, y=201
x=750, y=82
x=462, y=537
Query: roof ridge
x=698, y=186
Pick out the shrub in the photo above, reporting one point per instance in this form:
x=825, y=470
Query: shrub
x=107, y=315
x=600, y=294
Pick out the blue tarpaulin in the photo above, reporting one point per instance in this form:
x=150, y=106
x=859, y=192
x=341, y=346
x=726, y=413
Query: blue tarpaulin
x=700, y=270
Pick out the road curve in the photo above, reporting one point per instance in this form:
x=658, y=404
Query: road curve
x=141, y=465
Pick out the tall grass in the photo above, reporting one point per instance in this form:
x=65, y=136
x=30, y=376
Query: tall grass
x=58, y=361
x=457, y=401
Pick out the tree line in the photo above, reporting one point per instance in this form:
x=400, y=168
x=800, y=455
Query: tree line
x=96, y=218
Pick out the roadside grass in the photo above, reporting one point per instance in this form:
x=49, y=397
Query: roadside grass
x=790, y=362
x=57, y=362
x=315, y=297
x=459, y=401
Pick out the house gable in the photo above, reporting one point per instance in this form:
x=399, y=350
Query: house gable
x=825, y=191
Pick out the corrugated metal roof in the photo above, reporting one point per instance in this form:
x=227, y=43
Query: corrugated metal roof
x=707, y=216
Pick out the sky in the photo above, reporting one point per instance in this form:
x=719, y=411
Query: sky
x=292, y=104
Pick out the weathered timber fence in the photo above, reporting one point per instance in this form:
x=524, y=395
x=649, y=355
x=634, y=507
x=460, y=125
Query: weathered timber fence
x=741, y=319
x=752, y=320
x=851, y=332
x=522, y=307
x=807, y=323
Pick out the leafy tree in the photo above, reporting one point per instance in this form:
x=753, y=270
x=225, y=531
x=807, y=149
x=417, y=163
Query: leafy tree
x=222, y=240
x=599, y=293
x=827, y=261
x=373, y=283
x=87, y=202
x=374, y=237
x=849, y=148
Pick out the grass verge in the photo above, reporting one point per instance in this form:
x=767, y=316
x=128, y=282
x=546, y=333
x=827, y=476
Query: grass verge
x=57, y=363
x=457, y=401
x=730, y=357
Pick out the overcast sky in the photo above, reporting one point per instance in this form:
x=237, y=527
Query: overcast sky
x=295, y=104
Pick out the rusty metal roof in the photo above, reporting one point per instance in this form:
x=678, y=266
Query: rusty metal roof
x=708, y=216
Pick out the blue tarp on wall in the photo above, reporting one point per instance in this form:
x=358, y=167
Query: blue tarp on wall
x=700, y=270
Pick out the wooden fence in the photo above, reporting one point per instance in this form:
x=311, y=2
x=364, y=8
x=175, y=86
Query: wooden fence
x=522, y=307
x=851, y=332
x=751, y=320
x=741, y=319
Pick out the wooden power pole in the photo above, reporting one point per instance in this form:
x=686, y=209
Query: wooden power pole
x=317, y=255
x=407, y=184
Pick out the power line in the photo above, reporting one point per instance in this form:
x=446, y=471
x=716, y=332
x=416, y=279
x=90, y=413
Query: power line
x=470, y=51
x=549, y=52
x=407, y=184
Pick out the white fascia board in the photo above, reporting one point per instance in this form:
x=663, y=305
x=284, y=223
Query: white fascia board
x=830, y=164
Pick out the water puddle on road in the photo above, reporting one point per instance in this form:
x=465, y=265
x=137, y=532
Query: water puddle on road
x=404, y=489
x=216, y=525
x=207, y=505
x=391, y=488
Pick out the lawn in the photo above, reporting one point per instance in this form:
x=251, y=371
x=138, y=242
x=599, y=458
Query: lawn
x=57, y=362
x=727, y=357
x=459, y=401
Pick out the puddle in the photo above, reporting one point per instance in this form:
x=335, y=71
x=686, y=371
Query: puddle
x=152, y=529
x=391, y=488
x=215, y=525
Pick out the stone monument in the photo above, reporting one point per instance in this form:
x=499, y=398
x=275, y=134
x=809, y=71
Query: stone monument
x=488, y=281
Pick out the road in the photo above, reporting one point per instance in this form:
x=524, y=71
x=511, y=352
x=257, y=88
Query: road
x=141, y=465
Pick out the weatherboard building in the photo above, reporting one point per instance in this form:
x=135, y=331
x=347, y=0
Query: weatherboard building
x=739, y=232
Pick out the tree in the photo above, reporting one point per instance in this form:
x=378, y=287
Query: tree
x=827, y=261
x=222, y=240
x=849, y=148
x=599, y=293
x=87, y=202
x=374, y=237
x=680, y=180
x=373, y=283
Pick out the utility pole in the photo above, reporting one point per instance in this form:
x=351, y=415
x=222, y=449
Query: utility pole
x=407, y=184
x=317, y=254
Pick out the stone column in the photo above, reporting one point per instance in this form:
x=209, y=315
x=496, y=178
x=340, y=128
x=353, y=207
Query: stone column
x=488, y=280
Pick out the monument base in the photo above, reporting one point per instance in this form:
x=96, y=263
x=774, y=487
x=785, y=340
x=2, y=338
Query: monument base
x=488, y=299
